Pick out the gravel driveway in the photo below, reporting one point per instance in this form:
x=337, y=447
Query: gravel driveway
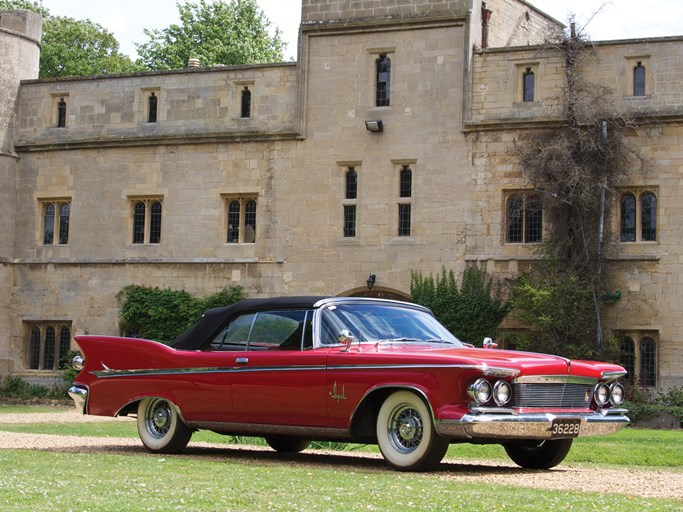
x=649, y=483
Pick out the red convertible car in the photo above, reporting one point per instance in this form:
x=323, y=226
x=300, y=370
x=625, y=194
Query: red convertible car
x=299, y=369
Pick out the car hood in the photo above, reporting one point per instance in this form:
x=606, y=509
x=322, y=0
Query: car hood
x=526, y=363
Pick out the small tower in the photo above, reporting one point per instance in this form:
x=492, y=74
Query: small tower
x=20, y=33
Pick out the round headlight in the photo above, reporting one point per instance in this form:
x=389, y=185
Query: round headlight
x=502, y=392
x=77, y=363
x=480, y=391
x=601, y=394
x=617, y=394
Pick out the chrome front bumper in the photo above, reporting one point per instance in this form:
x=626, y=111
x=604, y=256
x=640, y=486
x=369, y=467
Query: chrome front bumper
x=511, y=425
x=80, y=397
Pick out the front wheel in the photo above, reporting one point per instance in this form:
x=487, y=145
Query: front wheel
x=406, y=434
x=287, y=444
x=160, y=427
x=538, y=454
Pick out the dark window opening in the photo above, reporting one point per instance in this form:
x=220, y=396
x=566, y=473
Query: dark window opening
x=529, y=85
x=49, y=224
x=61, y=113
x=155, y=223
x=404, y=220
x=349, y=221
x=639, y=80
x=406, y=182
x=234, y=222
x=648, y=216
x=648, y=362
x=250, y=222
x=383, y=82
x=627, y=357
x=246, y=103
x=152, y=103
x=46, y=351
x=485, y=19
x=139, y=214
x=628, y=218
x=351, y=183
x=524, y=219
x=64, y=213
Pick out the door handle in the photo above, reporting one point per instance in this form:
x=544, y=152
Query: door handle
x=242, y=360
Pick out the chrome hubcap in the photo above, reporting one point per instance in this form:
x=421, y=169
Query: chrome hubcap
x=159, y=418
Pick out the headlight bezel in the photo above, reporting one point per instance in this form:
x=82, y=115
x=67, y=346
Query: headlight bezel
x=481, y=391
x=498, y=387
x=618, y=397
x=601, y=394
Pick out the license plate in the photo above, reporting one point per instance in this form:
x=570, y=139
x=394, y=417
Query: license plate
x=565, y=428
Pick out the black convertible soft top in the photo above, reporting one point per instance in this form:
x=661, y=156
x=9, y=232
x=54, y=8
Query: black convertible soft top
x=214, y=319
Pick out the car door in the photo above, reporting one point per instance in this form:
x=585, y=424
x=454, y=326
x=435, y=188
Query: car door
x=280, y=379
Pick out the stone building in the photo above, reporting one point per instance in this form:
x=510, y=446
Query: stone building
x=384, y=149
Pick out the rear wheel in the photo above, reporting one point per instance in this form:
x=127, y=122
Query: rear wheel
x=406, y=434
x=160, y=427
x=287, y=444
x=538, y=454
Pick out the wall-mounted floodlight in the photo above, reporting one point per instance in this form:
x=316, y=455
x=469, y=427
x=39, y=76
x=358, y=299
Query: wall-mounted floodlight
x=374, y=126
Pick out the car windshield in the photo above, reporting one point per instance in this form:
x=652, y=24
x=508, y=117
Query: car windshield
x=387, y=323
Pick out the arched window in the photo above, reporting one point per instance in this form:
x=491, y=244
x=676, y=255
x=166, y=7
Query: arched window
x=61, y=113
x=648, y=362
x=406, y=182
x=351, y=183
x=49, y=224
x=628, y=218
x=515, y=219
x=155, y=223
x=648, y=212
x=139, y=216
x=639, y=80
x=152, y=103
x=234, y=222
x=383, y=83
x=250, y=222
x=34, y=349
x=627, y=357
x=64, y=212
x=246, y=103
x=533, y=217
x=528, y=85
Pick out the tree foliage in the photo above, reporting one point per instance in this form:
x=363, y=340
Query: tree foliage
x=472, y=311
x=162, y=315
x=73, y=47
x=220, y=32
x=576, y=167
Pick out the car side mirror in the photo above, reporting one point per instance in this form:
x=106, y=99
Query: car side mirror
x=489, y=343
x=346, y=338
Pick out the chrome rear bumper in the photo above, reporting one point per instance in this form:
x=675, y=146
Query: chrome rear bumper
x=79, y=395
x=510, y=425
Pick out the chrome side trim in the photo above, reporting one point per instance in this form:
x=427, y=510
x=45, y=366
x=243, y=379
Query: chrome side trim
x=554, y=379
x=79, y=395
x=191, y=371
x=486, y=370
x=528, y=425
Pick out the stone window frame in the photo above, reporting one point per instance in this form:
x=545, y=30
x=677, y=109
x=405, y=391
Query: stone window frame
x=59, y=235
x=60, y=107
x=633, y=345
x=528, y=237
x=151, y=226
x=640, y=234
x=146, y=93
x=239, y=87
x=246, y=228
x=39, y=355
x=350, y=203
x=523, y=69
x=632, y=62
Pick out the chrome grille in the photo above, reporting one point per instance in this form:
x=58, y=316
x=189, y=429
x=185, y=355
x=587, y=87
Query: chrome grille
x=556, y=395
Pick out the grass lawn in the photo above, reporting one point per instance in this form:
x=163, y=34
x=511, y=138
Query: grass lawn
x=213, y=480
